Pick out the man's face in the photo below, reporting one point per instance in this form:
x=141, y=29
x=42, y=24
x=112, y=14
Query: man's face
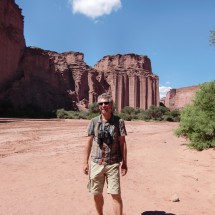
x=105, y=106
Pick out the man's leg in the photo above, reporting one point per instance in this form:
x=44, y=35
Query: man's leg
x=97, y=179
x=99, y=202
x=117, y=204
x=113, y=181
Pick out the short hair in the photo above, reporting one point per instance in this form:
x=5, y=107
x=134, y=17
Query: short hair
x=105, y=96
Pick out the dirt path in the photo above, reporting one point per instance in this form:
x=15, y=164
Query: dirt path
x=41, y=171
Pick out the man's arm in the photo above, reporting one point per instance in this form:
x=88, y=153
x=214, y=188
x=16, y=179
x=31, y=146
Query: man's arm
x=87, y=151
x=123, y=148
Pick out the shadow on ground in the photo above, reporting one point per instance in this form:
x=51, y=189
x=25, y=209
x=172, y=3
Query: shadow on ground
x=156, y=213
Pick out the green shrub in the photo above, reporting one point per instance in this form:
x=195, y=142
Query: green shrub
x=92, y=115
x=125, y=116
x=141, y=115
x=171, y=116
x=153, y=113
x=168, y=118
x=197, y=121
x=163, y=110
x=63, y=114
x=94, y=108
x=175, y=114
x=128, y=113
x=128, y=110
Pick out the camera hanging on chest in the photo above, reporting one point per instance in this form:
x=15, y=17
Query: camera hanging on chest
x=104, y=135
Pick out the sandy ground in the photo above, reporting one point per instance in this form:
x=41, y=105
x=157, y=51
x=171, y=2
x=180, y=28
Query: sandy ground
x=41, y=171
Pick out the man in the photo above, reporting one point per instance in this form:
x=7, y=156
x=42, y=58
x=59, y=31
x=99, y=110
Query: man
x=107, y=146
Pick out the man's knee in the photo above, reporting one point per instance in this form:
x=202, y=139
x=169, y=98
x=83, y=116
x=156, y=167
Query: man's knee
x=117, y=197
x=98, y=197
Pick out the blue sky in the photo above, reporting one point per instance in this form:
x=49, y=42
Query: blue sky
x=174, y=34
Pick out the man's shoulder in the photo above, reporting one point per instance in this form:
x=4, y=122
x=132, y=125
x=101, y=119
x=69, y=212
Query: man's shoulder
x=95, y=119
x=93, y=122
x=117, y=118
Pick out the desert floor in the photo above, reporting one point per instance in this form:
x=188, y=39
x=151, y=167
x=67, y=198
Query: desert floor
x=41, y=170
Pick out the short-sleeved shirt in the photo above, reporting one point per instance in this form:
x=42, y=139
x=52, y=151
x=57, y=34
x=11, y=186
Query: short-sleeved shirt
x=106, y=148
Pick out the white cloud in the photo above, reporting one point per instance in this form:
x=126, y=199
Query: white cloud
x=163, y=91
x=94, y=8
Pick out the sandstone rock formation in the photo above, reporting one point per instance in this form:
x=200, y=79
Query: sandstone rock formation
x=49, y=80
x=46, y=80
x=129, y=79
x=179, y=98
x=12, y=42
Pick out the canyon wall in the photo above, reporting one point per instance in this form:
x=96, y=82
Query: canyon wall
x=44, y=80
x=49, y=81
x=12, y=42
x=179, y=98
x=130, y=80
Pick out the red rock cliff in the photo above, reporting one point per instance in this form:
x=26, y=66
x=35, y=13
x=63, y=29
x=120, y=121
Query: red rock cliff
x=179, y=98
x=12, y=42
x=47, y=80
x=129, y=79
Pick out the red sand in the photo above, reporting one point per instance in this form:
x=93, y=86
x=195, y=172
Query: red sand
x=41, y=170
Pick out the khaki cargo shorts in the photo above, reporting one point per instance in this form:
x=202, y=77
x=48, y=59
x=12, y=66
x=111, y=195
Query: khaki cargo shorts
x=100, y=173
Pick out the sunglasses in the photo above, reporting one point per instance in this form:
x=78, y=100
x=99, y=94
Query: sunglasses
x=105, y=103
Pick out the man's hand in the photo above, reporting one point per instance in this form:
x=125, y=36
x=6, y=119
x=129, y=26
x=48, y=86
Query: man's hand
x=124, y=169
x=87, y=150
x=86, y=169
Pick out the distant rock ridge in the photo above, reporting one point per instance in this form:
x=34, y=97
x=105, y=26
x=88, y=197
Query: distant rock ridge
x=47, y=80
x=179, y=98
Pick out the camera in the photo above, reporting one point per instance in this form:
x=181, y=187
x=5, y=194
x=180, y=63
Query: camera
x=104, y=136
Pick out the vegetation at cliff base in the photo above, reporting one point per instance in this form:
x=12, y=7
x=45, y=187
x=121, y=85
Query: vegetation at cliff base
x=128, y=113
x=198, y=119
x=152, y=114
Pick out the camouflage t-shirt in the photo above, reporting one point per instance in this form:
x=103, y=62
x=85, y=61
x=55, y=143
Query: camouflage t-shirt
x=106, y=142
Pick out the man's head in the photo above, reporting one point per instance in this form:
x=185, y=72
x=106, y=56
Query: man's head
x=105, y=97
x=105, y=103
